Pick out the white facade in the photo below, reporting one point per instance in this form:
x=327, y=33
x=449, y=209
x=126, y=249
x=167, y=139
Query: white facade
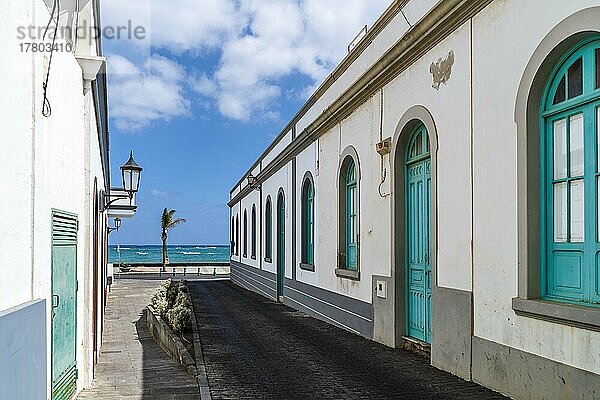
x=485, y=325
x=51, y=163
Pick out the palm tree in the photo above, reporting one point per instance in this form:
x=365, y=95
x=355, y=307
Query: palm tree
x=167, y=222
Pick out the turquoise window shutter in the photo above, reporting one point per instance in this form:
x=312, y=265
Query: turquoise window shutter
x=351, y=218
x=570, y=184
x=307, y=222
x=268, y=229
x=253, y=248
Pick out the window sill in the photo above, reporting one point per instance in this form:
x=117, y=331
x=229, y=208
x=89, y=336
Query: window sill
x=307, y=267
x=268, y=259
x=563, y=313
x=347, y=274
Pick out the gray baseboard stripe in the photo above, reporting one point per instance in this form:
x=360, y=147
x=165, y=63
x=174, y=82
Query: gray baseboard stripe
x=523, y=375
x=345, y=312
x=452, y=327
x=254, y=279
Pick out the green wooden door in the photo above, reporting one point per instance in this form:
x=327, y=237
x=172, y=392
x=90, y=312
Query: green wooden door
x=280, y=245
x=64, y=304
x=418, y=198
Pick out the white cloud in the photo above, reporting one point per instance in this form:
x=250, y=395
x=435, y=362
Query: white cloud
x=281, y=38
x=179, y=25
x=152, y=91
x=260, y=43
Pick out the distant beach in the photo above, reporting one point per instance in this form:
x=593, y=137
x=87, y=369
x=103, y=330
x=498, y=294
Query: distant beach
x=123, y=254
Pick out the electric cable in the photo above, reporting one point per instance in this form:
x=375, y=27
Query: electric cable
x=46, y=107
x=406, y=19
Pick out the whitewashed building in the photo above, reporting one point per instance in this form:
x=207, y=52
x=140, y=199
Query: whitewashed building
x=440, y=190
x=55, y=177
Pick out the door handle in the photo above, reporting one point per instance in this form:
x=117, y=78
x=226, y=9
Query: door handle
x=57, y=297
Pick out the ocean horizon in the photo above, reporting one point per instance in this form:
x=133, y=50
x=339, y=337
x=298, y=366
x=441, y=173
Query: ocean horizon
x=179, y=253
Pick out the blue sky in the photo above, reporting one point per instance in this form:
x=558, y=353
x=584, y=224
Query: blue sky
x=205, y=92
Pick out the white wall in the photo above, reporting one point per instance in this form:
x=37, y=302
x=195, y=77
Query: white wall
x=47, y=163
x=495, y=214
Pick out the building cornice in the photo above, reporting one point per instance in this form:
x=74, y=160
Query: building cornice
x=438, y=24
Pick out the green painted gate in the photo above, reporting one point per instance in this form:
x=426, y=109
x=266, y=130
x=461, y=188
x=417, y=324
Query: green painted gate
x=64, y=304
x=418, y=199
x=280, y=245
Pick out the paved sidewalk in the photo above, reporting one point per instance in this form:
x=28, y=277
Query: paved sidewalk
x=257, y=349
x=131, y=365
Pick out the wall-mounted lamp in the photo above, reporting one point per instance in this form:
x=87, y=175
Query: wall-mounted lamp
x=116, y=227
x=253, y=181
x=130, y=173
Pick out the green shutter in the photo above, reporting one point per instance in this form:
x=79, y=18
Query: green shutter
x=64, y=304
x=351, y=218
x=570, y=178
x=307, y=222
x=268, y=229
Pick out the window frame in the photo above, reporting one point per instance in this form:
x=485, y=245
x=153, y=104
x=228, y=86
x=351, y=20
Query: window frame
x=237, y=234
x=232, y=236
x=253, y=234
x=307, y=223
x=586, y=104
x=568, y=33
x=351, y=216
x=245, y=253
x=268, y=230
x=348, y=157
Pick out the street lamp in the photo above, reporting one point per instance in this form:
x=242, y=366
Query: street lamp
x=116, y=227
x=130, y=173
x=253, y=181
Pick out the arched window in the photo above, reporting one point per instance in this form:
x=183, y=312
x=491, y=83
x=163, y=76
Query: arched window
x=245, y=234
x=253, y=244
x=237, y=234
x=268, y=230
x=348, y=230
x=232, y=241
x=307, y=223
x=570, y=180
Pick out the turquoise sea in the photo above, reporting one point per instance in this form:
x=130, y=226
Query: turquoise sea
x=120, y=254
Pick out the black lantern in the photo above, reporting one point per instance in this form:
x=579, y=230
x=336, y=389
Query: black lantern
x=116, y=227
x=131, y=172
x=252, y=180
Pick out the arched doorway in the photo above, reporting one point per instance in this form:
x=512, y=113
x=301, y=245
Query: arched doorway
x=280, y=245
x=414, y=228
x=418, y=204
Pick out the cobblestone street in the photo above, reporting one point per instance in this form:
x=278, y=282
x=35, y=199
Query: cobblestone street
x=131, y=365
x=257, y=349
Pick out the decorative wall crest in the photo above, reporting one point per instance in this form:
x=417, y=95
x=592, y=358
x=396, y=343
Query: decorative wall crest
x=441, y=70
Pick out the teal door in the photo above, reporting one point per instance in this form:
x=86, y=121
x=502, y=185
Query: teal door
x=280, y=245
x=418, y=272
x=64, y=306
